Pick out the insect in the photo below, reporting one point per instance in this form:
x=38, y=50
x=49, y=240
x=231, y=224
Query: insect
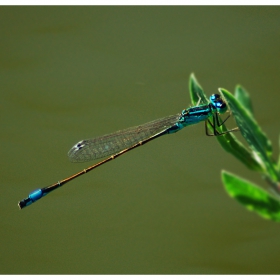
x=118, y=143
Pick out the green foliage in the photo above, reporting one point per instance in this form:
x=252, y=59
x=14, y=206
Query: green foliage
x=251, y=131
x=196, y=91
x=251, y=196
x=228, y=141
x=257, y=156
x=244, y=98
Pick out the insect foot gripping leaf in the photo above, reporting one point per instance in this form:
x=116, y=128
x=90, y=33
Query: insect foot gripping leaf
x=228, y=141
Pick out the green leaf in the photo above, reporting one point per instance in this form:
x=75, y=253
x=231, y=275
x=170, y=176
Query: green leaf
x=252, y=133
x=233, y=146
x=228, y=141
x=278, y=165
x=251, y=196
x=244, y=98
x=196, y=91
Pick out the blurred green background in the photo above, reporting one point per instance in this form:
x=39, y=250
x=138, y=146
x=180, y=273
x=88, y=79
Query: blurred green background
x=71, y=73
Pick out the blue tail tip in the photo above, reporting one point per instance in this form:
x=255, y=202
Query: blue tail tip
x=23, y=203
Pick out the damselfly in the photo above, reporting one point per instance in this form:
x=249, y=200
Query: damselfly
x=116, y=144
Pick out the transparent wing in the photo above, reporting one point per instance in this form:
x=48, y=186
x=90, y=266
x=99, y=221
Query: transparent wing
x=113, y=143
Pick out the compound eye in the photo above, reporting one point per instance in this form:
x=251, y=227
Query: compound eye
x=215, y=97
x=221, y=106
